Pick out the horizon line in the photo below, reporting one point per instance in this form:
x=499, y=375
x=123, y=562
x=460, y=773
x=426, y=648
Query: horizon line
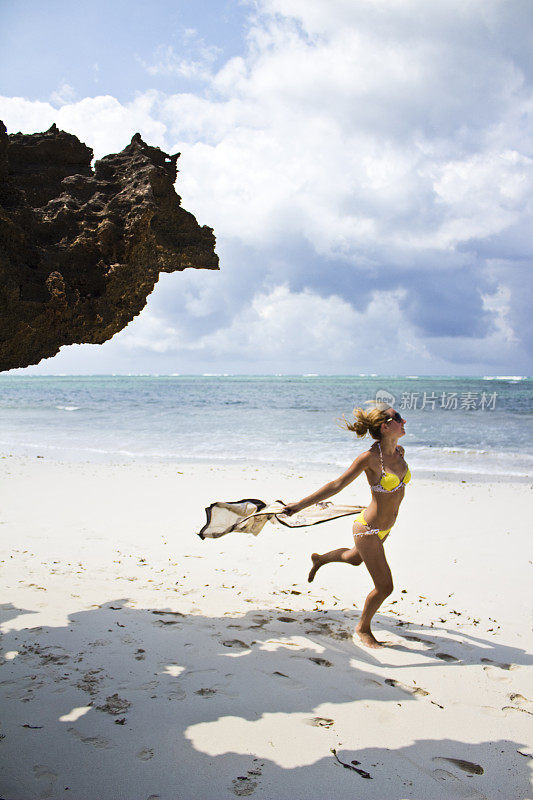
x=373, y=375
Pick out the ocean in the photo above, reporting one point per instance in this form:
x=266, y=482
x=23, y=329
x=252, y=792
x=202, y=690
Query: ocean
x=470, y=426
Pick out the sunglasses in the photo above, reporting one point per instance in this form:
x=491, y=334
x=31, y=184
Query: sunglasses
x=396, y=417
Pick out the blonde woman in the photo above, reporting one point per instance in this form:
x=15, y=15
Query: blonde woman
x=387, y=474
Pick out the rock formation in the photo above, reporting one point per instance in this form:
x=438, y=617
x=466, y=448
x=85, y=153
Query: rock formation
x=80, y=251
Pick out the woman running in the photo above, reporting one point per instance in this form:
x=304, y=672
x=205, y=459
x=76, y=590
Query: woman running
x=387, y=474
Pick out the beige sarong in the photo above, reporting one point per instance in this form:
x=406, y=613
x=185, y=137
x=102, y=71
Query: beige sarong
x=250, y=516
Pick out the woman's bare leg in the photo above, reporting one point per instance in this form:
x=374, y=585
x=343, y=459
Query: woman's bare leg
x=373, y=554
x=343, y=555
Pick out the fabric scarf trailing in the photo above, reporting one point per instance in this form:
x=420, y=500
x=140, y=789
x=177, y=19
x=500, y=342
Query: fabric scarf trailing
x=251, y=515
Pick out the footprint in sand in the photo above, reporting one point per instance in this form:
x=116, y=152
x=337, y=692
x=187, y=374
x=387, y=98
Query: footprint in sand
x=259, y=622
x=286, y=619
x=341, y=633
x=454, y=784
x=494, y=674
x=326, y=629
x=95, y=741
x=497, y=672
x=517, y=708
x=145, y=754
x=177, y=693
x=465, y=766
x=243, y=786
x=322, y=662
x=237, y=643
x=53, y=658
x=415, y=690
x=496, y=664
x=114, y=705
x=446, y=657
x=90, y=681
x=287, y=681
x=47, y=775
x=412, y=638
x=147, y=685
x=520, y=700
x=169, y=614
x=320, y=722
x=520, y=703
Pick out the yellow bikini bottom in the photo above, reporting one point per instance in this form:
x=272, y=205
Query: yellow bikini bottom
x=361, y=518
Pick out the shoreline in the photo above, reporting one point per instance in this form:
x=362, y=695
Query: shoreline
x=421, y=473
x=139, y=661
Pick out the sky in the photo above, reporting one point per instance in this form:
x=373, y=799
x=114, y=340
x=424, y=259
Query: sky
x=367, y=167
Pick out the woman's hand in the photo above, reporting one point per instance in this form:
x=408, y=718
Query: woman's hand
x=290, y=509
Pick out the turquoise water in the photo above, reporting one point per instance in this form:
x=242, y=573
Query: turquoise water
x=458, y=425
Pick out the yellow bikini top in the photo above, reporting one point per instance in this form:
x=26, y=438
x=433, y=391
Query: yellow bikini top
x=389, y=481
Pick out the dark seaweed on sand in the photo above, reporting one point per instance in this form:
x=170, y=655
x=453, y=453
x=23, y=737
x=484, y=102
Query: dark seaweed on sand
x=363, y=773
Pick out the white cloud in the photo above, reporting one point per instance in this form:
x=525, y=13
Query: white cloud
x=389, y=142
x=484, y=195
x=348, y=139
x=194, y=60
x=64, y=94
x=102, y=122
x=167, y=62
x=280, y=327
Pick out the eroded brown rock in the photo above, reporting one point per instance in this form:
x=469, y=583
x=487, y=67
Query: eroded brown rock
x=80, y=251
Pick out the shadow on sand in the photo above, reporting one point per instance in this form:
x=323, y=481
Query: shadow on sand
x=152, y=704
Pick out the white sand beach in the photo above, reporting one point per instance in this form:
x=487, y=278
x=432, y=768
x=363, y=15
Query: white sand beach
x=141, y=663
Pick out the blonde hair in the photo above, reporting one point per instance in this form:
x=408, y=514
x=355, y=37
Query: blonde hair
x=369, y=421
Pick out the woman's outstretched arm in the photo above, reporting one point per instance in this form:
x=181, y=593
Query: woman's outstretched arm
x=333, y=487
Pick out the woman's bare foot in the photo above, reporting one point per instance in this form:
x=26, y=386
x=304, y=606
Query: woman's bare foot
x=368, y=638
x=317, y=563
